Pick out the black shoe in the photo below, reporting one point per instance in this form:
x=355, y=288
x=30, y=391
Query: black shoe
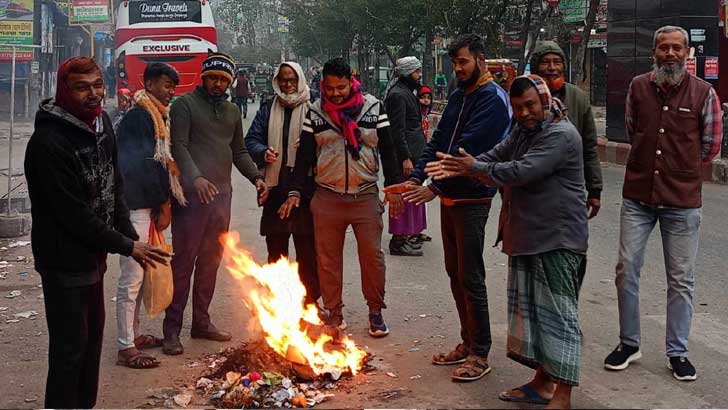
x=404, y=250
x=414, y=243
x=682, y=369
x=212, y=333
x=377, y=327
x=621, y=357
x=172, y=346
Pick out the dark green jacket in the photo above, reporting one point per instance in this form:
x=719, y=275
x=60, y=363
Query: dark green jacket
x=580, y=114
x=207, y=139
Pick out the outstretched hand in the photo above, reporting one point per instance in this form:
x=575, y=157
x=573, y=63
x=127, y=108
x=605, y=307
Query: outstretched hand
x=396, y=205
x=450, y=166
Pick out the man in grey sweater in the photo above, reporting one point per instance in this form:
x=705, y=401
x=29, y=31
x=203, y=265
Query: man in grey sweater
x=543, y=226
x=207, y=139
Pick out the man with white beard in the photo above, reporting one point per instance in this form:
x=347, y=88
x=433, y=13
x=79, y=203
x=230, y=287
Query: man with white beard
x=674, y=124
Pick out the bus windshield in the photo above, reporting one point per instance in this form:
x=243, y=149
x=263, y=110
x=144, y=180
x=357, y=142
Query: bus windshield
x=177, y=32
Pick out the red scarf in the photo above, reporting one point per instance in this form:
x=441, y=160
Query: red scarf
x=344, y=116
x=65, y=101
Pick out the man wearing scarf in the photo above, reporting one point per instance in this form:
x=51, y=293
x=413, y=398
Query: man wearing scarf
x=207, y=140
x=549, y=62
x=539, y=163
x=151, y=179
x=344, y=136
x=476, y=118
x=272, y=141
x=405, y=122
x=79, y=216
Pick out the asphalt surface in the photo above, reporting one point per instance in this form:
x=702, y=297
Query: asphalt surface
x=423, y=321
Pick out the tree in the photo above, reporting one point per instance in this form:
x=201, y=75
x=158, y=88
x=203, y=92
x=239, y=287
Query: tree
x=579, y=53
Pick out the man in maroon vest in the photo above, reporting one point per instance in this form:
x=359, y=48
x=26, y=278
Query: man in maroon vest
x=674, y=124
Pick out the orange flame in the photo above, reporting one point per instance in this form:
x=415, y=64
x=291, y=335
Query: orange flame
x=276, y=299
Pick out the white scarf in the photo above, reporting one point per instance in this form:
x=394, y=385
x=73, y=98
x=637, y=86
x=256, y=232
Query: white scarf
x=299, y=102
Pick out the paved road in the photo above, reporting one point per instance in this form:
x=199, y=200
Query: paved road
x=418, y=286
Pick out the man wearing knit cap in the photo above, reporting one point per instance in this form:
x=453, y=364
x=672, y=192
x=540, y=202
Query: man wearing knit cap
x=405, y=119
x=207, y=140
x=549, y=62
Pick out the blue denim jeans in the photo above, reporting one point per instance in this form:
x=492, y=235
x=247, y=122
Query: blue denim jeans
x=680, y=229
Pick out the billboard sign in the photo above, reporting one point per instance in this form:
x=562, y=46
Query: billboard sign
x=89, y=12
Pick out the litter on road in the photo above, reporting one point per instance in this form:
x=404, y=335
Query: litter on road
x=26, y=315
x=13, y=294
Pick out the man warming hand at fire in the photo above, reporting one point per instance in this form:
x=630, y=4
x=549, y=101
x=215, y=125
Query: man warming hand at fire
x=207, y=140
x=349, y=131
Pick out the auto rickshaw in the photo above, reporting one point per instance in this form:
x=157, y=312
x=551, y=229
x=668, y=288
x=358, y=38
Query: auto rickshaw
x=503, y=70
x=263, y=82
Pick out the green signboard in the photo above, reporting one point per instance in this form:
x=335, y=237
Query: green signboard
x=573, y=11
x=89, y=12
x=16, y=27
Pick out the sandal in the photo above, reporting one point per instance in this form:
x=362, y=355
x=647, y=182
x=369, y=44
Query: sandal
x=456, y=356
x=530, y=396
x=138, y=361
x=473, y=369
x=148, y=342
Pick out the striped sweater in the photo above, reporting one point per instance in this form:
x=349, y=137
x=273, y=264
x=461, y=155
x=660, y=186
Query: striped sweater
x=324, y=146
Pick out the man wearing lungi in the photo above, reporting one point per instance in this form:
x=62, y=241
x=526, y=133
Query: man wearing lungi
x=543, y=225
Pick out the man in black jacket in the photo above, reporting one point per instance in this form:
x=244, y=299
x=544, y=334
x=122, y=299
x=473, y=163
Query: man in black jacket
x=79, y=215
x=405, y=121
x=147, y=166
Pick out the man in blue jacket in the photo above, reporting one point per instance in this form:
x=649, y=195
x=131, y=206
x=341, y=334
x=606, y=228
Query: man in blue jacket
x=477, y=118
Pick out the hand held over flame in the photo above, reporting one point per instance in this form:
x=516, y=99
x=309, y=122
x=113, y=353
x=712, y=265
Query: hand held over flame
x=450, y=166
x=149, y=255
x=396, y=205
x=285, y=210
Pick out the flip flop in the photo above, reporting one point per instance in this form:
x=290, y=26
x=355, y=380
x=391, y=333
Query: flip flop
x=531, y=396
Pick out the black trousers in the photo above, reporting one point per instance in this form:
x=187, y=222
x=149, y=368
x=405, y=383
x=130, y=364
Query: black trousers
x=463, y=237
x=75, y=319
x=196, y=230
x=305, y=256
x=242, y=103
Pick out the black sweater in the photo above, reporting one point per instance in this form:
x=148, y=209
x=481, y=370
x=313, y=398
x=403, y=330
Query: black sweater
x=76, y=191
x=146, y=181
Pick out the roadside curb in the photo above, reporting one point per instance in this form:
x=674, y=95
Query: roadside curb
x=618, y=153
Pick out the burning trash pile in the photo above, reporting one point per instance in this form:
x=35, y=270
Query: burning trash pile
x=299, y=357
